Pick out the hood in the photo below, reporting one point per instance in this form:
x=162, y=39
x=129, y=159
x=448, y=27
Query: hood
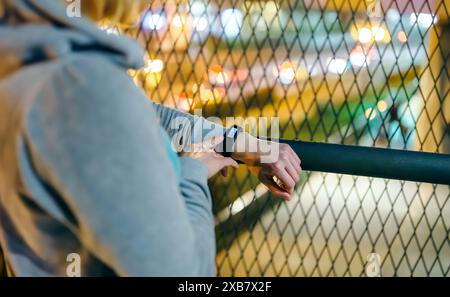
x=34, y=31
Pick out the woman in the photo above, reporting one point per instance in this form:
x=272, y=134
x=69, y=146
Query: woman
x=86, y=166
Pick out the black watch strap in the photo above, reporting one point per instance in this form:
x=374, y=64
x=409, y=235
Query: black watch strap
x=229, y=139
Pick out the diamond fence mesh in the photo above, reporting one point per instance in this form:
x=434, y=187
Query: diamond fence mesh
x=369, y=73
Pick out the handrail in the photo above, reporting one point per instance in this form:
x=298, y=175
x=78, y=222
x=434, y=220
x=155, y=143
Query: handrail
x=374, y=162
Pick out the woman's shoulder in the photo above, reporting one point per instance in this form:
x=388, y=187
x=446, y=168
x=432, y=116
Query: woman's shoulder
x=93, y=72
x=90, y=81
x=88, y=94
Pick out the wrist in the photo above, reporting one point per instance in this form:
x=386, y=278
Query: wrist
x=248, y=148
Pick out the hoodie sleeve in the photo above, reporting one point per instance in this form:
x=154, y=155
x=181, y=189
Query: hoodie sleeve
x=95, y=141
x=186, y=128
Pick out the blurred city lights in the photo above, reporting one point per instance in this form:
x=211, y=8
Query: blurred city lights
x=365, y=35
x=241, y=75
x=358, y=59
x=178, y=21
x=185, y=102
x=206, y=95
x=337, y=66
x=270, y=11
x=382, y=106
x=198, y=8
x=393, y=15
x=232, y=20
x=423, y=19
x=154, y=66
x=286, y=73
x=154, y=20
x=375, y=33
x=110, y=30
x=200, y=24
x=402, y=37
x=217, y=76
x=361, y=56
x=222, y=78
x=152, y=73
x=378, y=33
x=370, y=114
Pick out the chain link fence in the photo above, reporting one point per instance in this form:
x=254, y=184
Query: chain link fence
x=368, y=73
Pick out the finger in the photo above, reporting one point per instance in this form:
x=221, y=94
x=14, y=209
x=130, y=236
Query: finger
x=224, y=171
x=285, y=178
x=288, y=157
x=294, y=156
x=292, y=172
x=277, y=191
x=295, y=165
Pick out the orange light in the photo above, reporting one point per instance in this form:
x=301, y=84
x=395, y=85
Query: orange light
x=241, y=75
x=402, y=37
x=216, y=68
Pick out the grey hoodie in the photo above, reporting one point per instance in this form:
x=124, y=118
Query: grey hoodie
x=83, y=166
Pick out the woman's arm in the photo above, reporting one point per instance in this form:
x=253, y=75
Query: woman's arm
x=193, y=129
x=95, y=139
x=268, y=159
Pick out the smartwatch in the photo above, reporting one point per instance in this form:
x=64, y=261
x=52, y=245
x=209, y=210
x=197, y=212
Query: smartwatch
x=229, y=138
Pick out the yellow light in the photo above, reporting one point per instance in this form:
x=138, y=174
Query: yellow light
x=302, y=72
x=152, y=80
x=365, y=35
x=206, y=95
x=178, y=21
x=154, y=66
x=382, y=106
x=378, y=33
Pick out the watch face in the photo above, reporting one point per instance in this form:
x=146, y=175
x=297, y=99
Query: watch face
x=232, y=132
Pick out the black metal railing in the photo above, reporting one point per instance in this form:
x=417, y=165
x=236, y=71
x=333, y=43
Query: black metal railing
x=373, y=162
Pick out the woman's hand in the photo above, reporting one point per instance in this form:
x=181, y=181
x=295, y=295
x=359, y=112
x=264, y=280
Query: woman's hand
x=205, y=153
x=275, y=164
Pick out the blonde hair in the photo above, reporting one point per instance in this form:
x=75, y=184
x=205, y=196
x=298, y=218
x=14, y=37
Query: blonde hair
x=123, y=12
x=2, y=9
